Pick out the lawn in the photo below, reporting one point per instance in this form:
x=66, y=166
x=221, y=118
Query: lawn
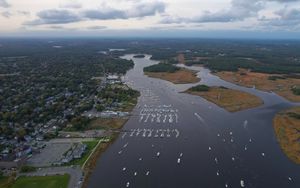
x=90, y=146
x=4, y=181
x=59, y=181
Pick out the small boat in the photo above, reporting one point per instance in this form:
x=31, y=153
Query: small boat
x=157, y=154
x=120, y=152
x=290, y=178
x=178, y=160
x=209, y=148
x=242, y=183
x=127, y=184
x=218, y=173
x=140, y=159
x=263, y=154
x=147, y=173
x=124, y=169
x=181, y=154
x=216, y=160
x=233, y=159
x=135, y=173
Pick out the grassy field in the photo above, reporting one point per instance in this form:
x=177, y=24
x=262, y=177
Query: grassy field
x=262, y=82
x=90, y=146
x=287, y=129
x=231, y=100
x=59, y=181
x=107, y=123
x=183, y=76
x=4, y=181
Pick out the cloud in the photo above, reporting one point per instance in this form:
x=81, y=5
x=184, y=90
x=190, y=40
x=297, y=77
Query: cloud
x=63, y=16
x=137, y=11
x=72, y=5
x=283, y=1
x=104, y=14
x=54, y=16
x=238, y=11
x=96, y=27
x=285, y=19
x=23, y=13
x=6, y=14
x=4, y=4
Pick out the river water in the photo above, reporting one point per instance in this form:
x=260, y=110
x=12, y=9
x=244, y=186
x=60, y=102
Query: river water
x=178, y=140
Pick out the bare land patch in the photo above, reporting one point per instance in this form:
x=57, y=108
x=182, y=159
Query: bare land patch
x=182, y=76
x=287, y=129
x=229, y=99
x=280, y=84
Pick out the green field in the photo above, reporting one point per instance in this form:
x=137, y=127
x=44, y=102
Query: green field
x=90, y=146
x=3, y=181
x=59, y=181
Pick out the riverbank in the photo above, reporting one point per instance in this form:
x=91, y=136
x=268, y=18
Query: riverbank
x=111, y=125
x=287, y=129
x=182, y=76
x=280, y=84
x=229, y=99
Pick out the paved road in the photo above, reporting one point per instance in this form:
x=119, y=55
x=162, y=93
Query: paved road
x=75, y=172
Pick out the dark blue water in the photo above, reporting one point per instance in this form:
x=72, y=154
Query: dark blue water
x=216, y=148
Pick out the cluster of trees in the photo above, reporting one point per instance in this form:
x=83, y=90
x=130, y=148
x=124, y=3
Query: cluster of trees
x=116, y=94
x=161, y=67
x=296, y=90
x=80, y=123
x=294, y=115
x=200, y=88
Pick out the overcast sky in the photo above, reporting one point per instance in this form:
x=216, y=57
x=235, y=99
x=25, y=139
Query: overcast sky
x=192, y=18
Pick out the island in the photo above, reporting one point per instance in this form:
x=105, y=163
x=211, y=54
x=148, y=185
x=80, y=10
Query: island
x=287, y=86
x=287, y=129
x=139, y=56
x=171, y=73
x=229, y=99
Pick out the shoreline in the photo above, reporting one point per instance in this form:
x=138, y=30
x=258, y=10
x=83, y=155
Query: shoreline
x=91, y=163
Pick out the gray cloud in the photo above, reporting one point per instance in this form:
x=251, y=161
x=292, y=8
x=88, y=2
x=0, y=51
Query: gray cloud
x=286, y=19
x=96, y=27
x=239, y=10
x=4, y=4
x=58, y=16
x=283, y=1
x=54, y=16
x=6, y=14
x=104, y=14
x=72, y=5
x=138, y=11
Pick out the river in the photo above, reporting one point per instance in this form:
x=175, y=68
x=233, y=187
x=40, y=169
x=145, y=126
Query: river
x=178, y=140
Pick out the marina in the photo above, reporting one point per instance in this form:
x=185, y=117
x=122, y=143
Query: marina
x=172, y=134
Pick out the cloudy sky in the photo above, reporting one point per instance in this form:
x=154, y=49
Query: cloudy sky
x=193, y=18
